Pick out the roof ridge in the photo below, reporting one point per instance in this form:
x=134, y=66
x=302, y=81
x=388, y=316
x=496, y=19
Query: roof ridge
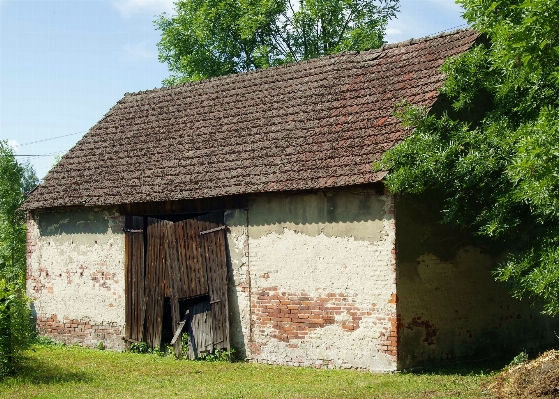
x=381, y=49
x=424, y=38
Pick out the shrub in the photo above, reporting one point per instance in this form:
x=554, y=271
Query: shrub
x=15, y=326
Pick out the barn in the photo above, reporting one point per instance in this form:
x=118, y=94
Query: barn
x=242, y=212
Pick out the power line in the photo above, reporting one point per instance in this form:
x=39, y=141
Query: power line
x=40, y=155
x=85, y=131
x=450, y=29
x=51, y=138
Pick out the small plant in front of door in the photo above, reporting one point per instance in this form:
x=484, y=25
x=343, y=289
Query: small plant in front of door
x=215, y=356
x=221, y=355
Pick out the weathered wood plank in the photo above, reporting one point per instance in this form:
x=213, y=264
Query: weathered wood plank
x=156, y=281
x=222, y=284
x=134, y=263
x=183, y=291
x=128, y=308
x=191, y=260
x=200, y=280
x=213, y=254
x=185, y=206
x=179, y=263
x=199, y=329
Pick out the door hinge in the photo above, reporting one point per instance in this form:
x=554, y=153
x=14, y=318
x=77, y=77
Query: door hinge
x=212, y=230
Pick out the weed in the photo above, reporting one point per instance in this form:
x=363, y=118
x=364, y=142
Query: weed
x=519, y=359
x=46, y=341
x=185, y=344
x=217, y=356
x=139, y=347
x=142, y=347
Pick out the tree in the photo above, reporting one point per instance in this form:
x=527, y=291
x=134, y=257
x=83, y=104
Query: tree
x=15, y=180
x=494, y=156
x=15, y=331
x=209, y=38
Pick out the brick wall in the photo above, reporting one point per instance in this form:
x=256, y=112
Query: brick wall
x=83, y=332
x=311, y=278
x=323, y=290
x=75, y=274
x=291, y=318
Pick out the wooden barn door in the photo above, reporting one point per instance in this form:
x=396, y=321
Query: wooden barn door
x=185, y=262
x=213, y=258
x=156, y=280
x=134, y=279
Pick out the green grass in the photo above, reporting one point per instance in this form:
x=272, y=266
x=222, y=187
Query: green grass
x=74, y=372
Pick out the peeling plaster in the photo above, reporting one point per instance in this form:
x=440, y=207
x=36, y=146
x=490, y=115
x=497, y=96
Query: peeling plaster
x=76, y=267
x=238, y=281
x=302, y=247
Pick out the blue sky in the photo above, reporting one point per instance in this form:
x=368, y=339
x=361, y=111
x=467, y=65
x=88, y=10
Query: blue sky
x=64, y=64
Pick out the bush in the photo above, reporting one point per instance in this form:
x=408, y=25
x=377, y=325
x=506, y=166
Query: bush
x=15, y=326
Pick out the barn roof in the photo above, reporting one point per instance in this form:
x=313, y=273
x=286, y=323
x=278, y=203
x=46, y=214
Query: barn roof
x=307, y=125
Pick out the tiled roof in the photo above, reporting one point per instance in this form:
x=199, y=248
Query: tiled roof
x=308, y=125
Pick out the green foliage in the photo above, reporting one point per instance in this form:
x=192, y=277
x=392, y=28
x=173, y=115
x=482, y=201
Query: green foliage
x=209, y=38
x=57, y=159
x=142, y=347
x=185, y=343
x=42, y=341
x=494, y=155
x=15, y=328
x=218, y=356
x=139, y=347
x=168, y=350
x=15, y=180
x=519, y=359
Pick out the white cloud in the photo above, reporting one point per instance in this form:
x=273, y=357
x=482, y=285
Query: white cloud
x=127, y=8
x=391, y=32
x=14, y=144
x=140, y=51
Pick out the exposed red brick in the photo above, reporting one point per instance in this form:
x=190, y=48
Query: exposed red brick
x=81, y=332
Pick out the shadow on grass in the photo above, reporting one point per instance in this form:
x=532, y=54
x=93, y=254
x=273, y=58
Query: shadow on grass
x=33, y=371
x=482, y=367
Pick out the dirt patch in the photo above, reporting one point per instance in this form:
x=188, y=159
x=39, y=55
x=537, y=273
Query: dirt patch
x=536, y=379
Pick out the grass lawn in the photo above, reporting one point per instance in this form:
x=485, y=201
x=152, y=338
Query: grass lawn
x=74, y=372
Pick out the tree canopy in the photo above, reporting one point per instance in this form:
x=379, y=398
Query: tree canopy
x=15, y=180
x=209, y=38
x=494, y=156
